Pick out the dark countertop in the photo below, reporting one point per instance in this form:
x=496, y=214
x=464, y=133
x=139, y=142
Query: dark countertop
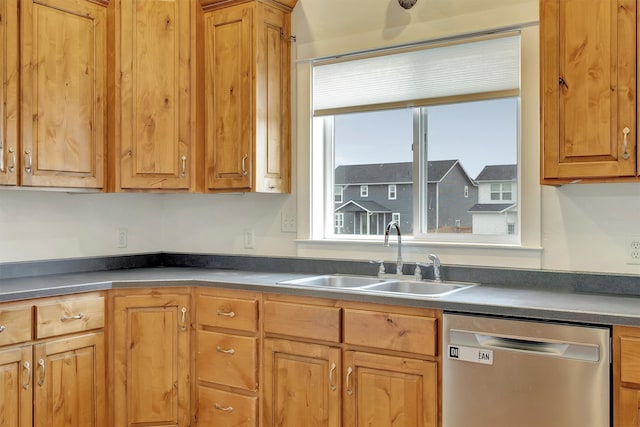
x=556, y=304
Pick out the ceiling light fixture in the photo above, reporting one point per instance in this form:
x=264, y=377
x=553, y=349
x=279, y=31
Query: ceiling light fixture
x=407, y=4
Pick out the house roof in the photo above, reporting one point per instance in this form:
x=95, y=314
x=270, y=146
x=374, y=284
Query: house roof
x=498, y=173
x=390, y=172
x=491, y=207
x=363, y=205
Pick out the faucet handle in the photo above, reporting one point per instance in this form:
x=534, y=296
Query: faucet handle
x=381, y=269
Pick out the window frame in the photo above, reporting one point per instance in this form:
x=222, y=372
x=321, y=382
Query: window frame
x=392, y=192
x=364, y=191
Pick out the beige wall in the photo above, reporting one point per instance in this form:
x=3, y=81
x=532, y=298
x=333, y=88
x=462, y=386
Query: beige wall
x=579, y=227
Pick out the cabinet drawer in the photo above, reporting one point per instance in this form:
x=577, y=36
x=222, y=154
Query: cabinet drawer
x=15, y=326
x=228, y=359
x=68, y=316
x=231, y=313
x=391, y=331
x=302, y=320
x=221, y=408
x=630, y=360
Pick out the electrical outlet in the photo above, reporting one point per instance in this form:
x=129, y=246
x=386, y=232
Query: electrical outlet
x=249, y=238
x=122, y=237
x=632, y=250
x=288, y=222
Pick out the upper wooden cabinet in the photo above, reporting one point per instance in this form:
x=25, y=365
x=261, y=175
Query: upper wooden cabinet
x=62, y=47
x=151, y=141
x=588, y=90
x=9, y=92
x=247, y=97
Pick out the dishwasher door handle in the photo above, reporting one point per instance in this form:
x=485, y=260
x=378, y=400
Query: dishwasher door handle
x=567, y=350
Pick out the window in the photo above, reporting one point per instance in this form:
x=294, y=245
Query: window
x=501, y=192
x=395, y=217
x=511, y=229
x=338, y=195
x=339, y=221
x=392, y=192
x=449, y=120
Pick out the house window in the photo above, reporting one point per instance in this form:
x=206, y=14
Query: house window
x=501, y=192
x=339, y=221
x=338, y=194
x=357, y=118
x=395, y=217
x=511, y=229
x=392, y=192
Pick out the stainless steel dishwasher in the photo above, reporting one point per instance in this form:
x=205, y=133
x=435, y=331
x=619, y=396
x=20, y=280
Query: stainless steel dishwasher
x=516, y=373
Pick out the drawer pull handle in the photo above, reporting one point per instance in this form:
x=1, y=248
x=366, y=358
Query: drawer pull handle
x=225, y=350
x=12, y=159
x=42, y=372
x=226, y=313
x=244, y=165
x=224, y=408
x=183, y=326
x=29, y=160
x=78, y=316
x=27, y=368
x=349, y=389
x=184, y=166
x=332, y=384
x=2, y=328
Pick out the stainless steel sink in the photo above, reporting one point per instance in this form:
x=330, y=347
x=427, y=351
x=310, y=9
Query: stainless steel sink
x=382, y=286
x=335, y=281
x=418, y=288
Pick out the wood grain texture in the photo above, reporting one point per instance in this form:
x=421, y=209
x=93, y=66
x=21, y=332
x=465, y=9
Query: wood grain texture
x=16, y=400
x=63, y=61
x=247, y=98
x=391, y=331
x=588, y=88
x=151, y=360
x=389, y=391
x=153, y=136
x=626, y=376
x=16, y=325
x=222, y=408
x=228, y=313
x=286, y=5
x=302, y=320
x=69, y=390
x=228, y=359
x=298, y=387
x=55, y=317
x=9, y=92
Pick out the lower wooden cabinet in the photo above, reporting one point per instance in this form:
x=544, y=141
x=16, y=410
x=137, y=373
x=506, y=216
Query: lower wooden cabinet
x=302, y=384
x=626, y=376
x=223, y=408
x=329, y=363
x=389, y=391
x=15, y=387
x=151, y=384
x=69, y=382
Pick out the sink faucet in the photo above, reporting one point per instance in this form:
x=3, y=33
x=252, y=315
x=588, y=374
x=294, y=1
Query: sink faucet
x=386, y=243
x=435, y=261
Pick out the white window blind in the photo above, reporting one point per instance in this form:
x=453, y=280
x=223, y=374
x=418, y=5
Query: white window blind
x=418, y=76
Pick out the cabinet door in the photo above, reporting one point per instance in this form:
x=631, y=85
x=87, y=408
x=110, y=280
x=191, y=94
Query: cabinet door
x=9, y=90
x=588, y=66
x=229, y=98
x=301, y=384
x=151, y=350
x=69, y=382
x=273, y=99
x=389, y=391
x=63, y=93
x=15, y=387
x=154, y=132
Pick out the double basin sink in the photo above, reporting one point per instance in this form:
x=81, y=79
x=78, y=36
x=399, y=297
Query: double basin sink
x=383, y=286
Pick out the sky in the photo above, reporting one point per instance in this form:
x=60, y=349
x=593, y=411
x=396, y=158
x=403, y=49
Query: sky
x=477, y=133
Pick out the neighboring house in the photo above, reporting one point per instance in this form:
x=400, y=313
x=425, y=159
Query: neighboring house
x=368, y=196
x=450, y=195
x=497, y=208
